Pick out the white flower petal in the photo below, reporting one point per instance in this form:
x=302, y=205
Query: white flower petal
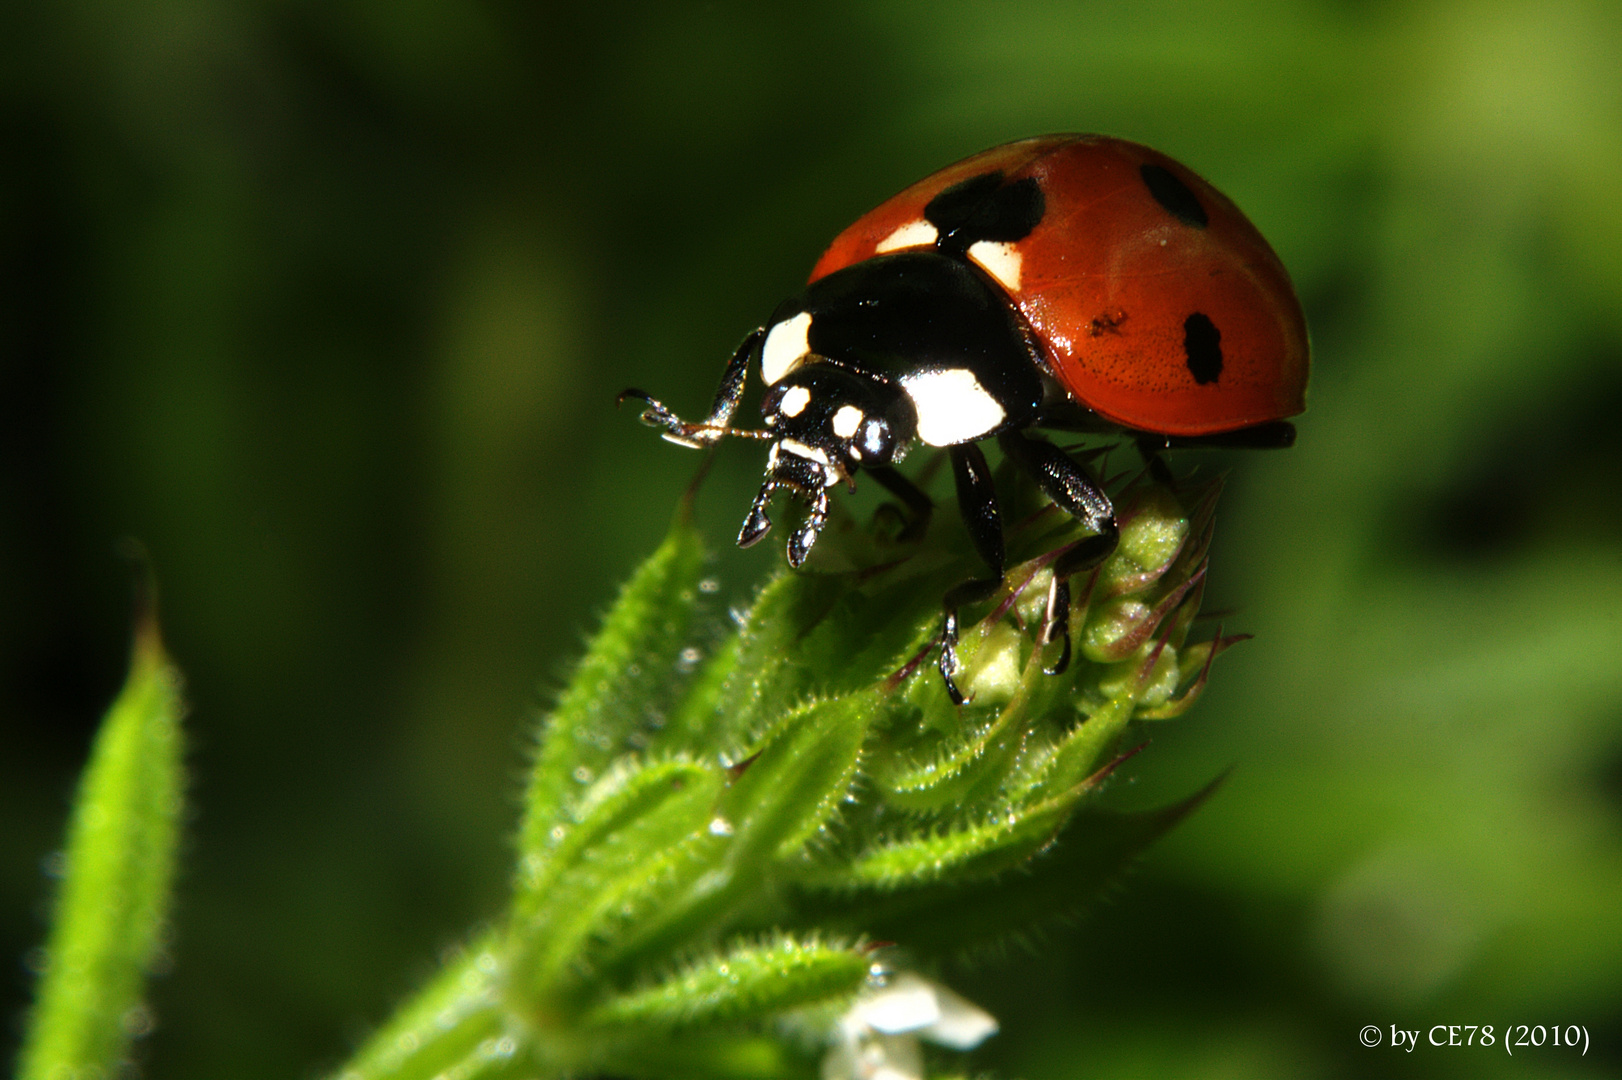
x=877, y=1039
x=963, y=1025
x=906, y=1003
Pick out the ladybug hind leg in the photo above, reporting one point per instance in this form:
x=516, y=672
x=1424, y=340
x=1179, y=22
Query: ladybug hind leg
x=1062, y=479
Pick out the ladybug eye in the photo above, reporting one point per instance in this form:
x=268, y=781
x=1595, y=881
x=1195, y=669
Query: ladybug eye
x=875, y=438
x=846, y=421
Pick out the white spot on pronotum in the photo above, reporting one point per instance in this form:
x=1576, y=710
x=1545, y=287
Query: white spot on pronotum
x=795, y=401
x=800, y=449
x=846, y=421
x=912, y=234
x=720, y=826
x=830, y=474
x=785, y=347
x=952, y=406
x=1001, y=261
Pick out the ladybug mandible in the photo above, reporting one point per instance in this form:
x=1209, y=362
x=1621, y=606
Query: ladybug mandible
x=1074, y=282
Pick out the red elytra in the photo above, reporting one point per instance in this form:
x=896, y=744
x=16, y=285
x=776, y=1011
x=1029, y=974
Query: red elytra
x=1108, y=283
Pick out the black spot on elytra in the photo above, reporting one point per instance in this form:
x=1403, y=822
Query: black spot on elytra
x=1202, y=348
x=1172, y=194
x=984, y=208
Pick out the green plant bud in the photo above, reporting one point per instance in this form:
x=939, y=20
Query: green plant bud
x=1149, y=675
x=1120, y=627
x=1154, y=527
x=1196, y=659
x=994, y=663
x=707, y=824
x=1115, y=628
x=1033, y=585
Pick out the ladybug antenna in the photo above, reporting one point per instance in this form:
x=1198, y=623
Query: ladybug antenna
x=681, y=432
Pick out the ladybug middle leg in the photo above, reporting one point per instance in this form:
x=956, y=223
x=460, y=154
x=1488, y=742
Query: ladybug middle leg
x=1072, y=490
x=977, y=500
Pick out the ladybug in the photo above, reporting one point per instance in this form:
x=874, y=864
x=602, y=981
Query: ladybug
x=1072, y=282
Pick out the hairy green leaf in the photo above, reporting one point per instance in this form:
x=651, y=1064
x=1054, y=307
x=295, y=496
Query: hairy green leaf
x=791, y=786
x=114, y=896
x=621, y=684
x=781, y=796
x=646, y=800
x=948, y=918
x=746, y=981
x=964, y=851
x=640, y=867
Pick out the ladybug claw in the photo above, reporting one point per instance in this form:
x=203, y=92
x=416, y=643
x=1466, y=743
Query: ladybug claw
x=948, y=666
x=1056, y=624
x=948, y=660
x=756, y=525
x=1063, y=663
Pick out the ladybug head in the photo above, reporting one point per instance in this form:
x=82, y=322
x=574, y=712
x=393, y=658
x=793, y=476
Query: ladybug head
x=826, y=422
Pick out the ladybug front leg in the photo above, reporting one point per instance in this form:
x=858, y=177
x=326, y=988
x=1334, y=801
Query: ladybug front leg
x=977, y=500
x=1072, y=490
x=727, y=397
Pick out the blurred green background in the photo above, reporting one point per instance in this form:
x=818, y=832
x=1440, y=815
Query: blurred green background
x=327, y=303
